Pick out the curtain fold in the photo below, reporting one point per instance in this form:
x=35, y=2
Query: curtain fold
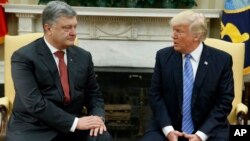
x=3, y=24
x=235, y=26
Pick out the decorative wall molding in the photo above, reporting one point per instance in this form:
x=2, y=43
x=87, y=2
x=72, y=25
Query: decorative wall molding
x=120, y=12
x=26, y=22
x=114, y=35
x=123, y=28
x=109, y=23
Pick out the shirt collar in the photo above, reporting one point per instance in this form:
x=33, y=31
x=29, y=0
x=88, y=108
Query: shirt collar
x=52, y=48
x=196, y=54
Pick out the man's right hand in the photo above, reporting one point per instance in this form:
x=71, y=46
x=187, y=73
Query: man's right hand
x=173, y=135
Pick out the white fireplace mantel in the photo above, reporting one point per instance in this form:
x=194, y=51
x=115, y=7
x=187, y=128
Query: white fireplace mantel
x=117, y=37
x=120, y=12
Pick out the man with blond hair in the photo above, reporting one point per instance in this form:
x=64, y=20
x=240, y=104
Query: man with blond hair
x=192, y=86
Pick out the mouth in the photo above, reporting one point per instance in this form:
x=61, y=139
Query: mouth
x=175, y=43
x=71, y=39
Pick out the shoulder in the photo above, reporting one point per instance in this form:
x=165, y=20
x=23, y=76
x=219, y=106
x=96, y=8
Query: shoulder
x=79, y=50
x=32, y=46
x=79, y=53
x=29, y=50
x=219, y=56
x=166, y=51
x=217, y=52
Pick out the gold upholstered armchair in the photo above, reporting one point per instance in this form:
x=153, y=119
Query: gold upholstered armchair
x=11, y=44
x=237, y=50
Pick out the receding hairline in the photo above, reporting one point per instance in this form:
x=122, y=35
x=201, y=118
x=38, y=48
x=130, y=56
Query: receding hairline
x=56, y=9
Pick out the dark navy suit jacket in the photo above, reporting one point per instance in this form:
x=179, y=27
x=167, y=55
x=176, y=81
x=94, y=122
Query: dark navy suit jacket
x=212, y=96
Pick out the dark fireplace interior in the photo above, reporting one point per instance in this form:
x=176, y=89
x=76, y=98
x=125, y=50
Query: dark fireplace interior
x=127, y=86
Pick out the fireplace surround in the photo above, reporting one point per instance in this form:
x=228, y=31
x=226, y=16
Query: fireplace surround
x=123, y=43
x=129, y=86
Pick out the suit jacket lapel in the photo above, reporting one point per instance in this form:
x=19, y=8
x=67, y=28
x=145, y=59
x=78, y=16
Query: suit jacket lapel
x=201, y=71
x=72, y=69
x=47, y=58
x=177, y=70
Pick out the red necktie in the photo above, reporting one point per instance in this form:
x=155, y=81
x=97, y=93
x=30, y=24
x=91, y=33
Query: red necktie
x=63, y=75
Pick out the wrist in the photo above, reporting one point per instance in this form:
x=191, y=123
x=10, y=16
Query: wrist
x=103, y=118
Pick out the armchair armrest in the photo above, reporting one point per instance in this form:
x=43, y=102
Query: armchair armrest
x=241, y=112
x=5, y=102
x=4, y=110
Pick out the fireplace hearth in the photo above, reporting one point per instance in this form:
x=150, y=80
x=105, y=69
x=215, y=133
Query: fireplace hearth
x=125, y=85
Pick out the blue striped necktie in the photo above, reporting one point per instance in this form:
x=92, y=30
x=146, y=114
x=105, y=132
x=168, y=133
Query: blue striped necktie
x=188, y=80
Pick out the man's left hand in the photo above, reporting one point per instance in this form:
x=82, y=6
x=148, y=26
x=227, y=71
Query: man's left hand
x=100, y=129
x=192, y=137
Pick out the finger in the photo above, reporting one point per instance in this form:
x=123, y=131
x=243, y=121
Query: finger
x=172, y=136
x=179, y=133
x=97, y=118
x=96, y=131
x=187, y=135
x=94, y=122
x=91, y=125
x=104, y=127
x=91, y=132
x=101, y=129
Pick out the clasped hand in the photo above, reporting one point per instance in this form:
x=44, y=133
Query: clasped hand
x=93, y=123
x=173, y=136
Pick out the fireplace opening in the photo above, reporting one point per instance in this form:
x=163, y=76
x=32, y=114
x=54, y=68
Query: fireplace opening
x=126, y=87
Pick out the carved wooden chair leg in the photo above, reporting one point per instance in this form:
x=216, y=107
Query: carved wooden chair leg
x=3, y=121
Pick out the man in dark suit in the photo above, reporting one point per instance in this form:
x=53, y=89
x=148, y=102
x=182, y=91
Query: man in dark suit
x=211, y=87
x=51, y=90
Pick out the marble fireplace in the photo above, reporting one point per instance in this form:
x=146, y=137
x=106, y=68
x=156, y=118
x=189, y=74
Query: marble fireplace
x=123, y=43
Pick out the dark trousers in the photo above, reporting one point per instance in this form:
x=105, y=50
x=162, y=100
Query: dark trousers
x=82, y=136
x=159, y=136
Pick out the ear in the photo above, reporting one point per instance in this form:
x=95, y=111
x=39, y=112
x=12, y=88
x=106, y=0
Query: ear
x=197, y=37
x=47, y=28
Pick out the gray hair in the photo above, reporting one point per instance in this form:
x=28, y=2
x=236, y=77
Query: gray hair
x=196, y=21
x=56, y=9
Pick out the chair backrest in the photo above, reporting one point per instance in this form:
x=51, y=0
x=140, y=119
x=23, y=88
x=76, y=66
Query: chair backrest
x=11, y=44
x=237, y=50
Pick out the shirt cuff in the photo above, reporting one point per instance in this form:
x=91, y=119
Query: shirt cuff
x=73, y=127
x=167, y=129
x=202, y=135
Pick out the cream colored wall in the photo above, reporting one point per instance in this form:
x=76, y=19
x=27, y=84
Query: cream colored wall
x=202, y=4
x=210, y=4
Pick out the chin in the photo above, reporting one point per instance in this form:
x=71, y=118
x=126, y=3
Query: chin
x=176, y=48
x=70, y=43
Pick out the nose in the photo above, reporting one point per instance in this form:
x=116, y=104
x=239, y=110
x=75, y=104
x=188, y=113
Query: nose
x=73, y=31
x=173, y=35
